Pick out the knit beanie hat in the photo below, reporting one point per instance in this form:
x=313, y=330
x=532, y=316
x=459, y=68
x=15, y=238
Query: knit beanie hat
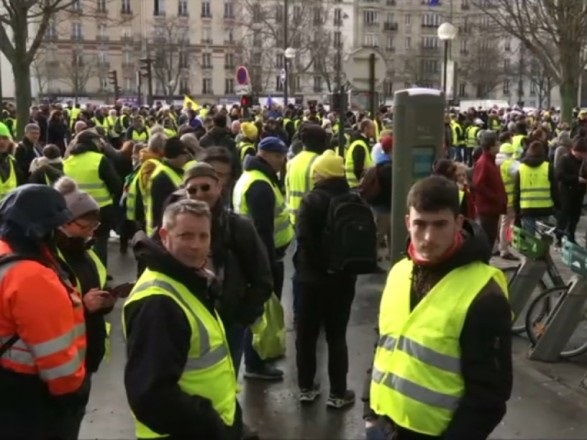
x=249, y=130
x=78, y=202
x=329, y=164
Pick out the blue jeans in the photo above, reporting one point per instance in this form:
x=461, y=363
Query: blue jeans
x=252, y=360
x=234, y=336
x=376, y=433
x=529, y=223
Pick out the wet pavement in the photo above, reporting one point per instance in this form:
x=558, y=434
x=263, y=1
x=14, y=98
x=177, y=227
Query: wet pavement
x=547, y=402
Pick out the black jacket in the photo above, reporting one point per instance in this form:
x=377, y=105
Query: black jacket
x=24, y=154
x=6, y=162
x=568, y=171
x=161, y=188
x=221, y=137
x=158, y=341
x=261, y=202
x=53, y=171
x=485, y=342
x=384, y=174
x=359, y=158
x=535, y=162
x=311, y=256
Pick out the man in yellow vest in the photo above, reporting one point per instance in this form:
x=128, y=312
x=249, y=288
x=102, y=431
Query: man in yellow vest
x=10, y=177
x=443, y=367
x=358, y=155
x=166, y=179
x=247, y=145
x=535, y=192
x=458, y=139
x=257, y=195
x=472, y=139
x=96, y=175
x=179, y=377
x=137, y=131
x=508, y=166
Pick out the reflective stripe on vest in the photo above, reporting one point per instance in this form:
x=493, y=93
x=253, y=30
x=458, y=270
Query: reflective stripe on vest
x=298, y=181
x=131, y=198
x=175, y=179
x=208, y=371
x=349, y=165
x=416, y=379
x=84, y=168
x=535, y=187
x=11, y=182
x=508, y=180
x=189, y=164
x=283, y=231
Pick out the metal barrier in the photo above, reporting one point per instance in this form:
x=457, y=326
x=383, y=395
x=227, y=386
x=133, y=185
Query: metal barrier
x=531, y=270
x=567, y=312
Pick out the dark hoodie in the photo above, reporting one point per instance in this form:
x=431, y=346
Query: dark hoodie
x=485, y=342
x=158, y=340
x=534, y=162
x=221, y=137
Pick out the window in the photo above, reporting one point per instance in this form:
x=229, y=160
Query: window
x=257, y=13
x=207, y=86
x=297, y=14
x=228, y=9
x=317, y=16
x=76, y=6
x=338, y=17
x=389, y=46
x=430, y=42
x=337, y=38
x=278, y=83
x=408, y=19
x=229, y=86
x=257, y=58
x=317, y=84
x=408, y=42
x=183, y=60
x=279, y=60
x=126, y=33
x=506, y=64
x=127, y=57
x=129, y=83
x=278, y=13
x=184, y=87
x=102, y=57
x=506, y=86
x=370, y=18
x=388, y=88
x=182, y=8
x=206, y=9
x=533, y=88
x=206, y=36
x=230, y=36
x=76, y=31
x=462, y=89
x=390, y=17
x=126, y=7
x=159, y=8
x=464, y=45
x=102, y=32
x=104, y=83
x=370, y=40
x=431, y=20
x=102, y=6
x=430, y=66
x=52, y=29
x=206, y=60
x=507, y=45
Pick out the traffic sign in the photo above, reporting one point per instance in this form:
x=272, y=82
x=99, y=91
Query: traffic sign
x=242, y=76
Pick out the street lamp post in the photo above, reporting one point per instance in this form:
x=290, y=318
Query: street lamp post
x=288, y=55
x=446, y=32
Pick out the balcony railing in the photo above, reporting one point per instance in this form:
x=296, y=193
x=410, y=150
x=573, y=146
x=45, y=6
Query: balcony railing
x=390, y=26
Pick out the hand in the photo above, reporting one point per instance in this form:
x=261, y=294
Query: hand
x=97, y=299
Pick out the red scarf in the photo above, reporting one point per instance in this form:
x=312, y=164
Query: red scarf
x=420, y=261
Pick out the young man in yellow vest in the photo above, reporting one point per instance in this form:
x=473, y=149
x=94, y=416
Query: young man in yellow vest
x=443, y=367
x=179, y=376
x=508, y=166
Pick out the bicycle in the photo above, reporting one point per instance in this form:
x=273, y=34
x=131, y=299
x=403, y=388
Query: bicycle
x=551, y=279
x=540, y=311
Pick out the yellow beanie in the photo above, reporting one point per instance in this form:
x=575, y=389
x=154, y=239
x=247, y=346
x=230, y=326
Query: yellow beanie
x=249, y=130
x=328, y=164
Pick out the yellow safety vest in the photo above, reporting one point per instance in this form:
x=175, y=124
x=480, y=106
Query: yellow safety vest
x=97, y=122
x=472, y=132
x=138, y=187
x=298, y=181
x=208, y=371
x=84, y=168
x=283, y=232
x=535, y=187
x=508, y=180
x=169, y=132
x=111, y=122
x=349, y=166
x=245, y=148
x=173, y=176
x=140, y=137
x=517, y=144
x=11, y=182
x=457, y=132
x=495, y=125
x=189, y=164
x=73, y=115
x=416, y=379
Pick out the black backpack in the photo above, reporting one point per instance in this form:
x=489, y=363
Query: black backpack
x=350, y=236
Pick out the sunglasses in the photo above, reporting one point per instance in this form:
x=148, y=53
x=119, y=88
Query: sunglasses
x=191, y=190
x=87, y=227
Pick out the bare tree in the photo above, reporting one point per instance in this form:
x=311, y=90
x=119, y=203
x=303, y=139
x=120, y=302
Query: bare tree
x=552, y=31
x=170, y=49
x=264, y=38
x=23, y=25
x=484, y=65
x=421, y=66
x=40, y=69
x=76, y=73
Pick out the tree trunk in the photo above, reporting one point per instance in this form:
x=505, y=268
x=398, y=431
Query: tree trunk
x=22, y=90
x=569, y=88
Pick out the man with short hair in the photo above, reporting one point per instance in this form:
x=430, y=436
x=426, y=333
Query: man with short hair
x=179, y=376
x=27, y=150
x=358, y=156
x=443, y=365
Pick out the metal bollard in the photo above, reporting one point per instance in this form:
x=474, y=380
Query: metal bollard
x=564, y=319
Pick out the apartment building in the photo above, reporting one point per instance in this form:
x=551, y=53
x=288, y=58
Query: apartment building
x=193, y=45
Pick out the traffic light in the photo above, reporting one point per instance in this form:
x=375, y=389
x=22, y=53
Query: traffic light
x=113, y=77
x=147, y=72
x=246, y=101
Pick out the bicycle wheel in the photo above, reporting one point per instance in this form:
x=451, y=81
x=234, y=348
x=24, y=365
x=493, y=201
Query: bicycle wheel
x=519, y=325
x=536, y=319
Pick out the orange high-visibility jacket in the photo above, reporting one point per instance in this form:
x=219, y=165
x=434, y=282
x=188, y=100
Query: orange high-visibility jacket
x=48, y=316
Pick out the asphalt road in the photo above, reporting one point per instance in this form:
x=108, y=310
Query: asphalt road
x=542, y=406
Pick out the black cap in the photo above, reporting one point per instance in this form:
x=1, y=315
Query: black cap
x=174, y=148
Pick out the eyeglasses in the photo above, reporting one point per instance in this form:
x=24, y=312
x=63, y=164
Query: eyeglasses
x=191, y=190
x=87, y=227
